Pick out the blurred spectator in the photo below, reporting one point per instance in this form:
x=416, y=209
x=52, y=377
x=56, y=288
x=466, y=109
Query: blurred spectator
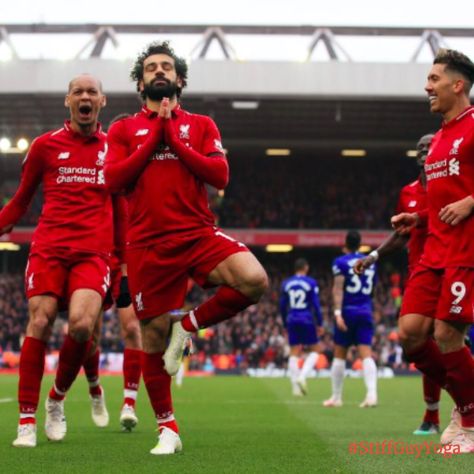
x=255, y=339
x=300, y=193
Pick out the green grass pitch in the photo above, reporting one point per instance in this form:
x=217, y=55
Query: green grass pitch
x=234, y=425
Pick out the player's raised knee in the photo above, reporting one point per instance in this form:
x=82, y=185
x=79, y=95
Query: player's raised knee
x=257, y=283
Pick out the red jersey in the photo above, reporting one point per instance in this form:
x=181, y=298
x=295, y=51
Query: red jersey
x=449, y=171
x=120, y=217
x=412, y=198
x=77, y=209
x=167, y=197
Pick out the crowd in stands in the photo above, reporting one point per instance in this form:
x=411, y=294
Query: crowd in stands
x=299, y=193
x=254, y=339
x=306, y=193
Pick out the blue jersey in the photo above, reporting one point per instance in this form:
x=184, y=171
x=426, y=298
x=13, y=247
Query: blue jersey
x=299, y=300
x=357, y=299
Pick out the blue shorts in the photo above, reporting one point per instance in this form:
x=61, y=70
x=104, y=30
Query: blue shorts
x=359, y=331
x=302, y=333
x=470, y=334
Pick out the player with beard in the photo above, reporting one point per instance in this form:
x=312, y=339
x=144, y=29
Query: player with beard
x=440, y=292
x=68, y=265
x=163, y=157
x=412, y=199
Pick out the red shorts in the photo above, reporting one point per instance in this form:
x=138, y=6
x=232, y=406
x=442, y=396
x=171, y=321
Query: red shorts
x=158, y=275
x=446, y=294
x=65, y=271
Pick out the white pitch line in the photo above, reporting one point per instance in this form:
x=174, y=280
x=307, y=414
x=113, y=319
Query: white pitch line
x=6, y=400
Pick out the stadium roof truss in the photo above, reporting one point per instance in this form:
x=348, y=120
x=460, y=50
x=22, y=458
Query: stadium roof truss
x=325, y=35
x=311, y=105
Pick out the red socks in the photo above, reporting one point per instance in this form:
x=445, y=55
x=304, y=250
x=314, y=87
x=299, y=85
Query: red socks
x=431, y=395
x=460, y=380
x=132, y=370
x=71, y=358
x=429, y=360
x=31, y=373
x=158, y=385
x=91, y=369
x=225, y=304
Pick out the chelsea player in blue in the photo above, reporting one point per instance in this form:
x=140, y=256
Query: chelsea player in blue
x=299, y=307
x=352, y=296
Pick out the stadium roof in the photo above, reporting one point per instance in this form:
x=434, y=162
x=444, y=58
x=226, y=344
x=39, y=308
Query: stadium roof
x=315, y=106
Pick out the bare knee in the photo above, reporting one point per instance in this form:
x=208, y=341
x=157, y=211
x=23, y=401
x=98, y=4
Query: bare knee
x=154, y=333
x=449, y=338
x=255, y=284
x=131, y=334
x=413, y=330
x=81, y=328
x=41, y=320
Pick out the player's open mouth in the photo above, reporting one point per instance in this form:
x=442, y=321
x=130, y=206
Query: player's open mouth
x=85, y=111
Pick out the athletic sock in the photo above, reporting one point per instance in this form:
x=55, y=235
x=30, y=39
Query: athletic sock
x=293, y=369
x=225, y=304
x=369, y=371
x=132, y=370
x=431, y=395
x=460, y=376
x=158, y=385
x=71, y=358
x=428, y=359
x=91, y=369
x=337, y=377
x=31, y=373
x=309, y=364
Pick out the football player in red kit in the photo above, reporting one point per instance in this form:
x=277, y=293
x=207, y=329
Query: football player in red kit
x=163, y=157
x=440, y=292
x=68, y=265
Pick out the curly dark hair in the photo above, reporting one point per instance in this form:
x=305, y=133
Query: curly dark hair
x=136, y=74
x=457, y=62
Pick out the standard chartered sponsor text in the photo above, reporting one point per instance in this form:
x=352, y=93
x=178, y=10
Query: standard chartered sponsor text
x=77, y=174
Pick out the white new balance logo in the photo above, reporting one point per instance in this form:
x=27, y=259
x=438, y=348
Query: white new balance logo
x=64, y=155
x=453, y=167
x=139, y=301
x=141, y=132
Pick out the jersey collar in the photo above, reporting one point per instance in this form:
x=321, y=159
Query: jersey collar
x=459, y=117
x=96, y=135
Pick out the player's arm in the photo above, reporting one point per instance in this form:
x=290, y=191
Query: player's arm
x=395, y=241
x=120, y=213
x=120, y=217
x=457, y=211
x=337, y=295
x=211, y=168
x=31, y=176
x=405, y=222
x=317, y=305
x=283, y=303
x=121, y=170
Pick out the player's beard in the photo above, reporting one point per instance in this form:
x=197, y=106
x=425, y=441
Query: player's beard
x=153, y=92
